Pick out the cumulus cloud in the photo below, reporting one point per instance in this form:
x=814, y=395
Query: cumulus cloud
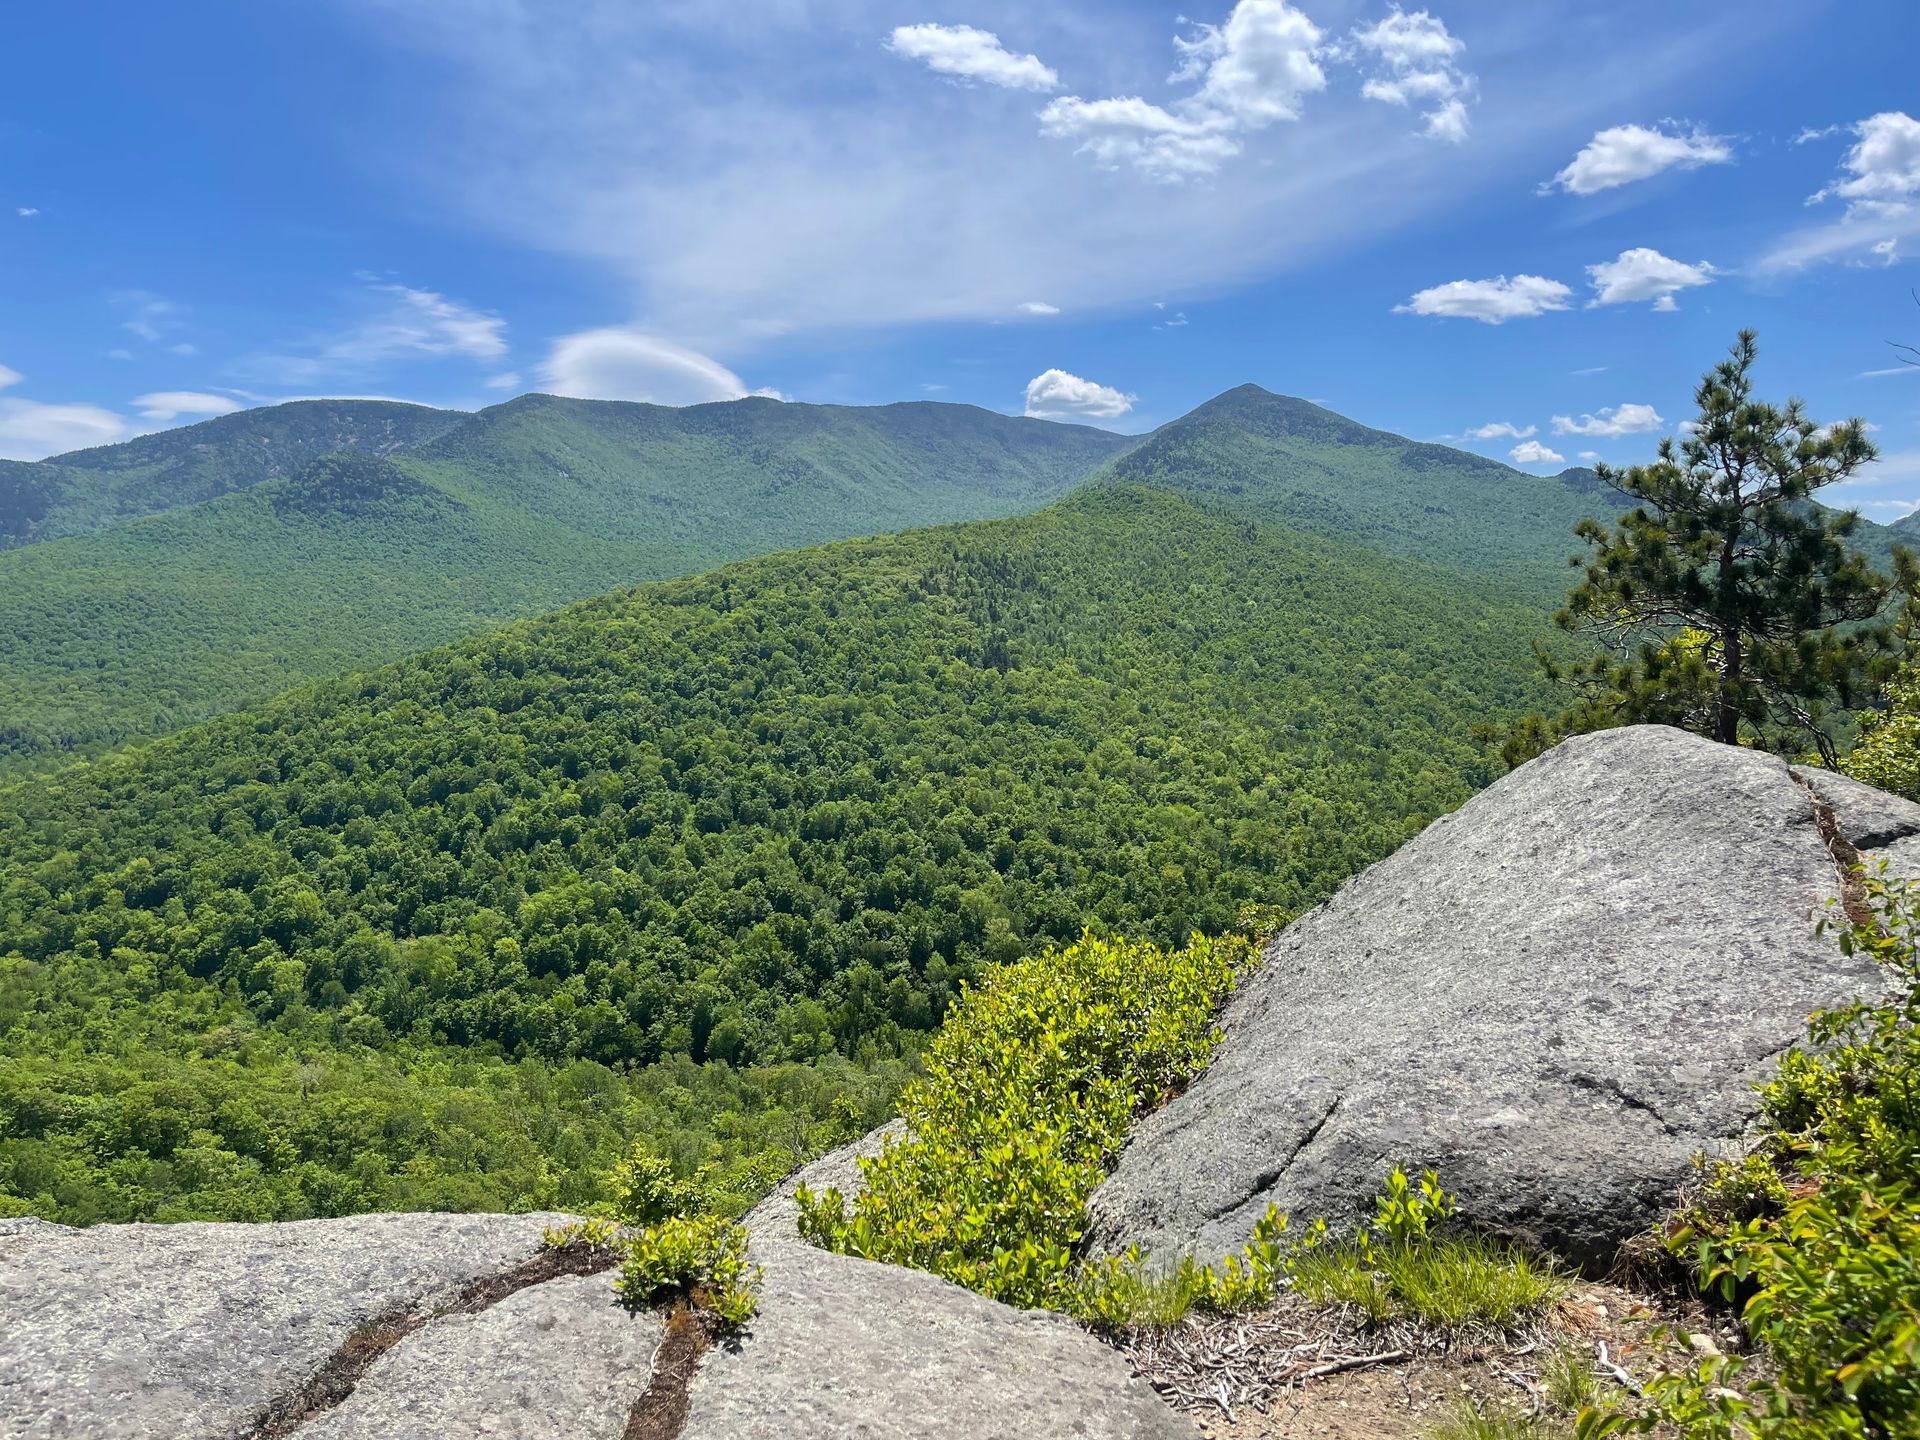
x=164, y=405
x=1883, y=165
x=1056, y=395
x=1880, y=181
x=1626, y=153
x=971, y=54
x=1416, y=58
x=1645, y=274
x=1247, y=73
x=1492, y=301
x=1532, y=452
x=1613, y=421
x=1501, y=430
x=621, y=364
x=1038, y=307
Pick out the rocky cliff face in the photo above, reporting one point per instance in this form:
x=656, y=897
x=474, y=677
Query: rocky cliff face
x=1554, y=996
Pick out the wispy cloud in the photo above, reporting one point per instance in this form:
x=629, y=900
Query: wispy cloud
x=393, y=323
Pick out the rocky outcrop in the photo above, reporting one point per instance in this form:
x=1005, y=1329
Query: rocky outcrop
x=846, y=1347
x=1554, y=996
x=436, y=1327
x=189, y=1331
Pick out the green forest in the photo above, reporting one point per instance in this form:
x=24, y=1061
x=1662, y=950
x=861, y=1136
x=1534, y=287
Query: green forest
x=701, y=862
x=267, y=564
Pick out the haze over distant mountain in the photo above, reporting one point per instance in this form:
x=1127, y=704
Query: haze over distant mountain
x=358, y=558
x=88, y=490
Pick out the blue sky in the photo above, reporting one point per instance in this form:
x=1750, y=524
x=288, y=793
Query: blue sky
x=1542, y=216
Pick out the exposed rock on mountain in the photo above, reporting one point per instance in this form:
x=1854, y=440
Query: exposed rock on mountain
x=220, y=1331
x=1554, y=996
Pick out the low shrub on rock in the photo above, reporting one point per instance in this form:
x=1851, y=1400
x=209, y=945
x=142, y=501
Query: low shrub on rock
x=1029, y=1090
x=1818, y=1235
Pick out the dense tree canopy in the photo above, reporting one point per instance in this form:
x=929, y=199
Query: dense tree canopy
x=762, y=822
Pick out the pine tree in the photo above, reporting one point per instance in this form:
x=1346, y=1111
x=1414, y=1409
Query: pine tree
x=1726, y=601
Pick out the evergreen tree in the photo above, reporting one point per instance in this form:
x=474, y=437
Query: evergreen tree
x=1726, y=601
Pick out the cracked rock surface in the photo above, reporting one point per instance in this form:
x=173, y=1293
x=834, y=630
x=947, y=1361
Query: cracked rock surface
x=189, y=1331
x=1553, y=996
x=561, y=1360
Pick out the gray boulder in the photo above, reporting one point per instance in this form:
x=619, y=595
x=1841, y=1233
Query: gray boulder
x=1554, y=996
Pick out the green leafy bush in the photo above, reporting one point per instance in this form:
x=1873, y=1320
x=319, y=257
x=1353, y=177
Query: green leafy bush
x=1027, y=1097
x=1828, y=1257
x=703, y=1258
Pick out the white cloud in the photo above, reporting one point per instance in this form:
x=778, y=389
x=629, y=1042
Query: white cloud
x=32, y=431
x=506, y=380
x=1883, y=163
x=423, y=322
x=1593, y=370
x=1417, y=57
x=164, y=405
x=1038, y=307
x=395, y=323
x=1612, y=421
x=1248, y=72
x=27, y=212
x=1501, y=429
x=748, y=173
x=1626, y=153
x=8, y=376
x=622, y=364
x=1532, y=452
x=1492, y=301
x=1645, y=274
x=1056, y=395
x=1590, y=456
x=971, y=54
x=148, y=317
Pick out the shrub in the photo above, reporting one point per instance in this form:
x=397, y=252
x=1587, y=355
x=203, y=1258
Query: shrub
x=1029, y=1090
x=1828, y=1257
x=704, y=1259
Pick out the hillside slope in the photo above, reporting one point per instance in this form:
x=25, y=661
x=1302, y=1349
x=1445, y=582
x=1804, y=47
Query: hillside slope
x=154, y=624
x=769, y=815
x=88, y=490
x=1290, y=460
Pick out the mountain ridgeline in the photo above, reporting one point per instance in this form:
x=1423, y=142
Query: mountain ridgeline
x=352, y=560
x=88, y=490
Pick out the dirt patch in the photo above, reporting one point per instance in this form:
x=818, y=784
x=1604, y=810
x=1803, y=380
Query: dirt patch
x=1604, y=1326
x=335, y=1380
x=661, y=1410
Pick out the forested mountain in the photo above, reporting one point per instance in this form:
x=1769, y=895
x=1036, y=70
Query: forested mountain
x=88, y=490
x=445, y=933
x=1288, y=459
x=155, y=623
